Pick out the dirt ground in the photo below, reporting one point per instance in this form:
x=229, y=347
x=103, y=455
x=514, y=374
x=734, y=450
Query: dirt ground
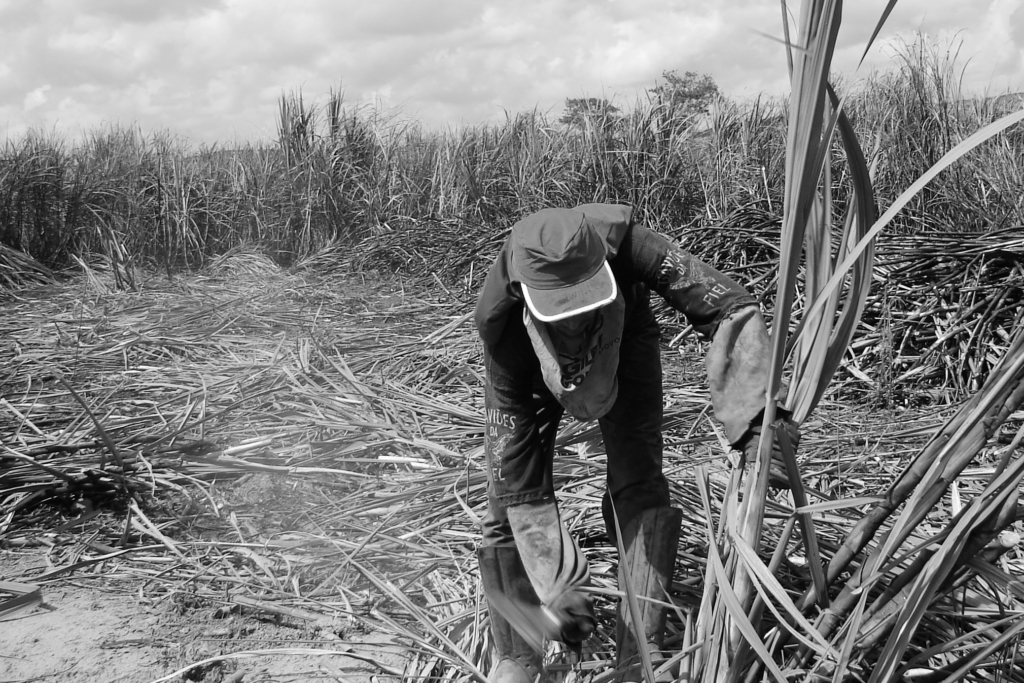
x=103, y=631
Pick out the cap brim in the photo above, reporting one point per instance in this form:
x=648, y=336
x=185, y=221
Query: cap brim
x=549, y=305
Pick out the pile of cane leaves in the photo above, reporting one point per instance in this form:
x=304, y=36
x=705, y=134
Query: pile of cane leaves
x=940, y=310
x=309, y=444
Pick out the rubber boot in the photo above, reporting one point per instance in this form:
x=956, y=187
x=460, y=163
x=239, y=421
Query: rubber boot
x=502, y=572
x=650, y=540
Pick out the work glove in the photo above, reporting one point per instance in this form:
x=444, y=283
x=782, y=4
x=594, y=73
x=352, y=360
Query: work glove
x=572, y=618
x=747, y=444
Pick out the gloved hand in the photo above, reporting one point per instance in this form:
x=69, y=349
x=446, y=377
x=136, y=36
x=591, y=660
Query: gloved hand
x=572, y=618
x=777, y=477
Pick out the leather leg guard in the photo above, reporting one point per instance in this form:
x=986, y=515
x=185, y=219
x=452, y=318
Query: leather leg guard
x=502, y=572
x=650, y=540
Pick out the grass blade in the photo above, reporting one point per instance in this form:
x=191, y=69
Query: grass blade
x=634, y=604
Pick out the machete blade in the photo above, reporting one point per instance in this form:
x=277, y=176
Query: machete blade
x=528, y=620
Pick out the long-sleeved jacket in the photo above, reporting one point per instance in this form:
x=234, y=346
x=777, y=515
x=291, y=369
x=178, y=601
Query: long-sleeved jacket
x=641, y=261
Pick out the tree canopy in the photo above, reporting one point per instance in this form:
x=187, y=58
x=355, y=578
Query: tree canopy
x=691, y=93
x=579, y=110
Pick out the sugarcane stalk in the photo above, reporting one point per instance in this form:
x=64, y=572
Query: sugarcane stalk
x=951, y=449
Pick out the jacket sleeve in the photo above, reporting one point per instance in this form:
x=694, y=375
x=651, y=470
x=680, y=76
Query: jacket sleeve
x=497, y=298
x=721, y=310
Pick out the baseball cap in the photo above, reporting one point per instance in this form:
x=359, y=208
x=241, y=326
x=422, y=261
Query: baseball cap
x=561, y=263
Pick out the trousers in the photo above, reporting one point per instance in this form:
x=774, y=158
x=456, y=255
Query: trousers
x=520, y=457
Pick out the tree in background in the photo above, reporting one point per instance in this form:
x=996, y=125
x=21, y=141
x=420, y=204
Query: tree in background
x=689, y=94
x=581, y=111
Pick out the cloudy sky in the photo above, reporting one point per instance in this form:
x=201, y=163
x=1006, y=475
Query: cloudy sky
x=213, y=70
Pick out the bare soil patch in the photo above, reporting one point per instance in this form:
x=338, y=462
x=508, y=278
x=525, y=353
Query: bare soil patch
x=96, y=629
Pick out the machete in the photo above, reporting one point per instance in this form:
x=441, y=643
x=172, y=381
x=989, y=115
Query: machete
x=533, y=622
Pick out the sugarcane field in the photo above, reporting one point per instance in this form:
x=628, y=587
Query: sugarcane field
x=280, y=411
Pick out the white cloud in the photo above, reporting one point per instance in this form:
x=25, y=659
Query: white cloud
x=36, y=98
x=213, y=69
